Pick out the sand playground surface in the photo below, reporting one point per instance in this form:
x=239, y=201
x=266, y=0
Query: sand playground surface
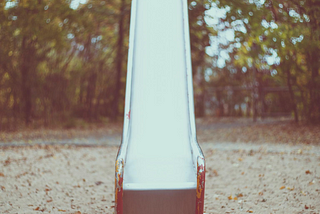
x=245, y=171
x=71, y=179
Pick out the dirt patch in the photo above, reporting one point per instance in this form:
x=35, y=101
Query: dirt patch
x=208, y=130
x=263, y=131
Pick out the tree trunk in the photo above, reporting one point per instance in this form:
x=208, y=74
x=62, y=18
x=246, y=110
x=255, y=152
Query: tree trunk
x=26, y=52
x=81, y=93
x=14, y=110
x=313, y=56
x=220, y=112
x=254, y=94
x=119, y=63
x=314, y=110
x=294, y=106
x=248, y=109
x=91, y=89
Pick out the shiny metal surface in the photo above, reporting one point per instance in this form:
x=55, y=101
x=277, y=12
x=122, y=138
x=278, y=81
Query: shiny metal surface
x=160, y=156
x=159, y=151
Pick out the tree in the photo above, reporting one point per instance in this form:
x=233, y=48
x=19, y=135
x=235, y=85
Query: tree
x=200, y=34
x=282, y=37
x=38, y=30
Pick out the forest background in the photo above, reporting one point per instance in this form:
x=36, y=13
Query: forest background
x=64, y=63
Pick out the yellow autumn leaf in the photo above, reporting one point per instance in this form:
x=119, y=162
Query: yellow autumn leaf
x=240, y=195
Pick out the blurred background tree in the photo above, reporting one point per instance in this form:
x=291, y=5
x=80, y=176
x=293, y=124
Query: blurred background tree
x=62, y=61
x=274, y=53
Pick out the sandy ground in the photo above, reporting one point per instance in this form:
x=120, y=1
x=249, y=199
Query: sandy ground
x=241, y=178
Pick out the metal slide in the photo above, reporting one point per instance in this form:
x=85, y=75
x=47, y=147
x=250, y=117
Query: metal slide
x=160, y=167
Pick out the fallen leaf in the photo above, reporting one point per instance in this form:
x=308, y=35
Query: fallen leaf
x=215, y=172
x=239, y=195
x=290, y=188
x=242, y=173
x=260, y=193
x=249, y=211
x=98, y=183
x=308, y=172
x=1, y=174
x=60, y=210
x=306, y=207
x=7, y=162
x=230, y=197
x=311, y=182
x=282, y=187
x=38, y=208
x=235, y=198
x=240, y=159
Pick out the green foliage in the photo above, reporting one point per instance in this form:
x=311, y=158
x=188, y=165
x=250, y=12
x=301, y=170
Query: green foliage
x=277, y=44
x=55, y=59
x=58, y=63
x=200, y=34
x=68, y=65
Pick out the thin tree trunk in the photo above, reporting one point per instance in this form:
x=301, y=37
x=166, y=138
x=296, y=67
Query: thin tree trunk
x=220, y=104
x=294, y=106
x=254, y=94
x=119, y=60
x=314, y=110
x=14, y=109
x=91, y=89
x=25, y=85
x=263, y=103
